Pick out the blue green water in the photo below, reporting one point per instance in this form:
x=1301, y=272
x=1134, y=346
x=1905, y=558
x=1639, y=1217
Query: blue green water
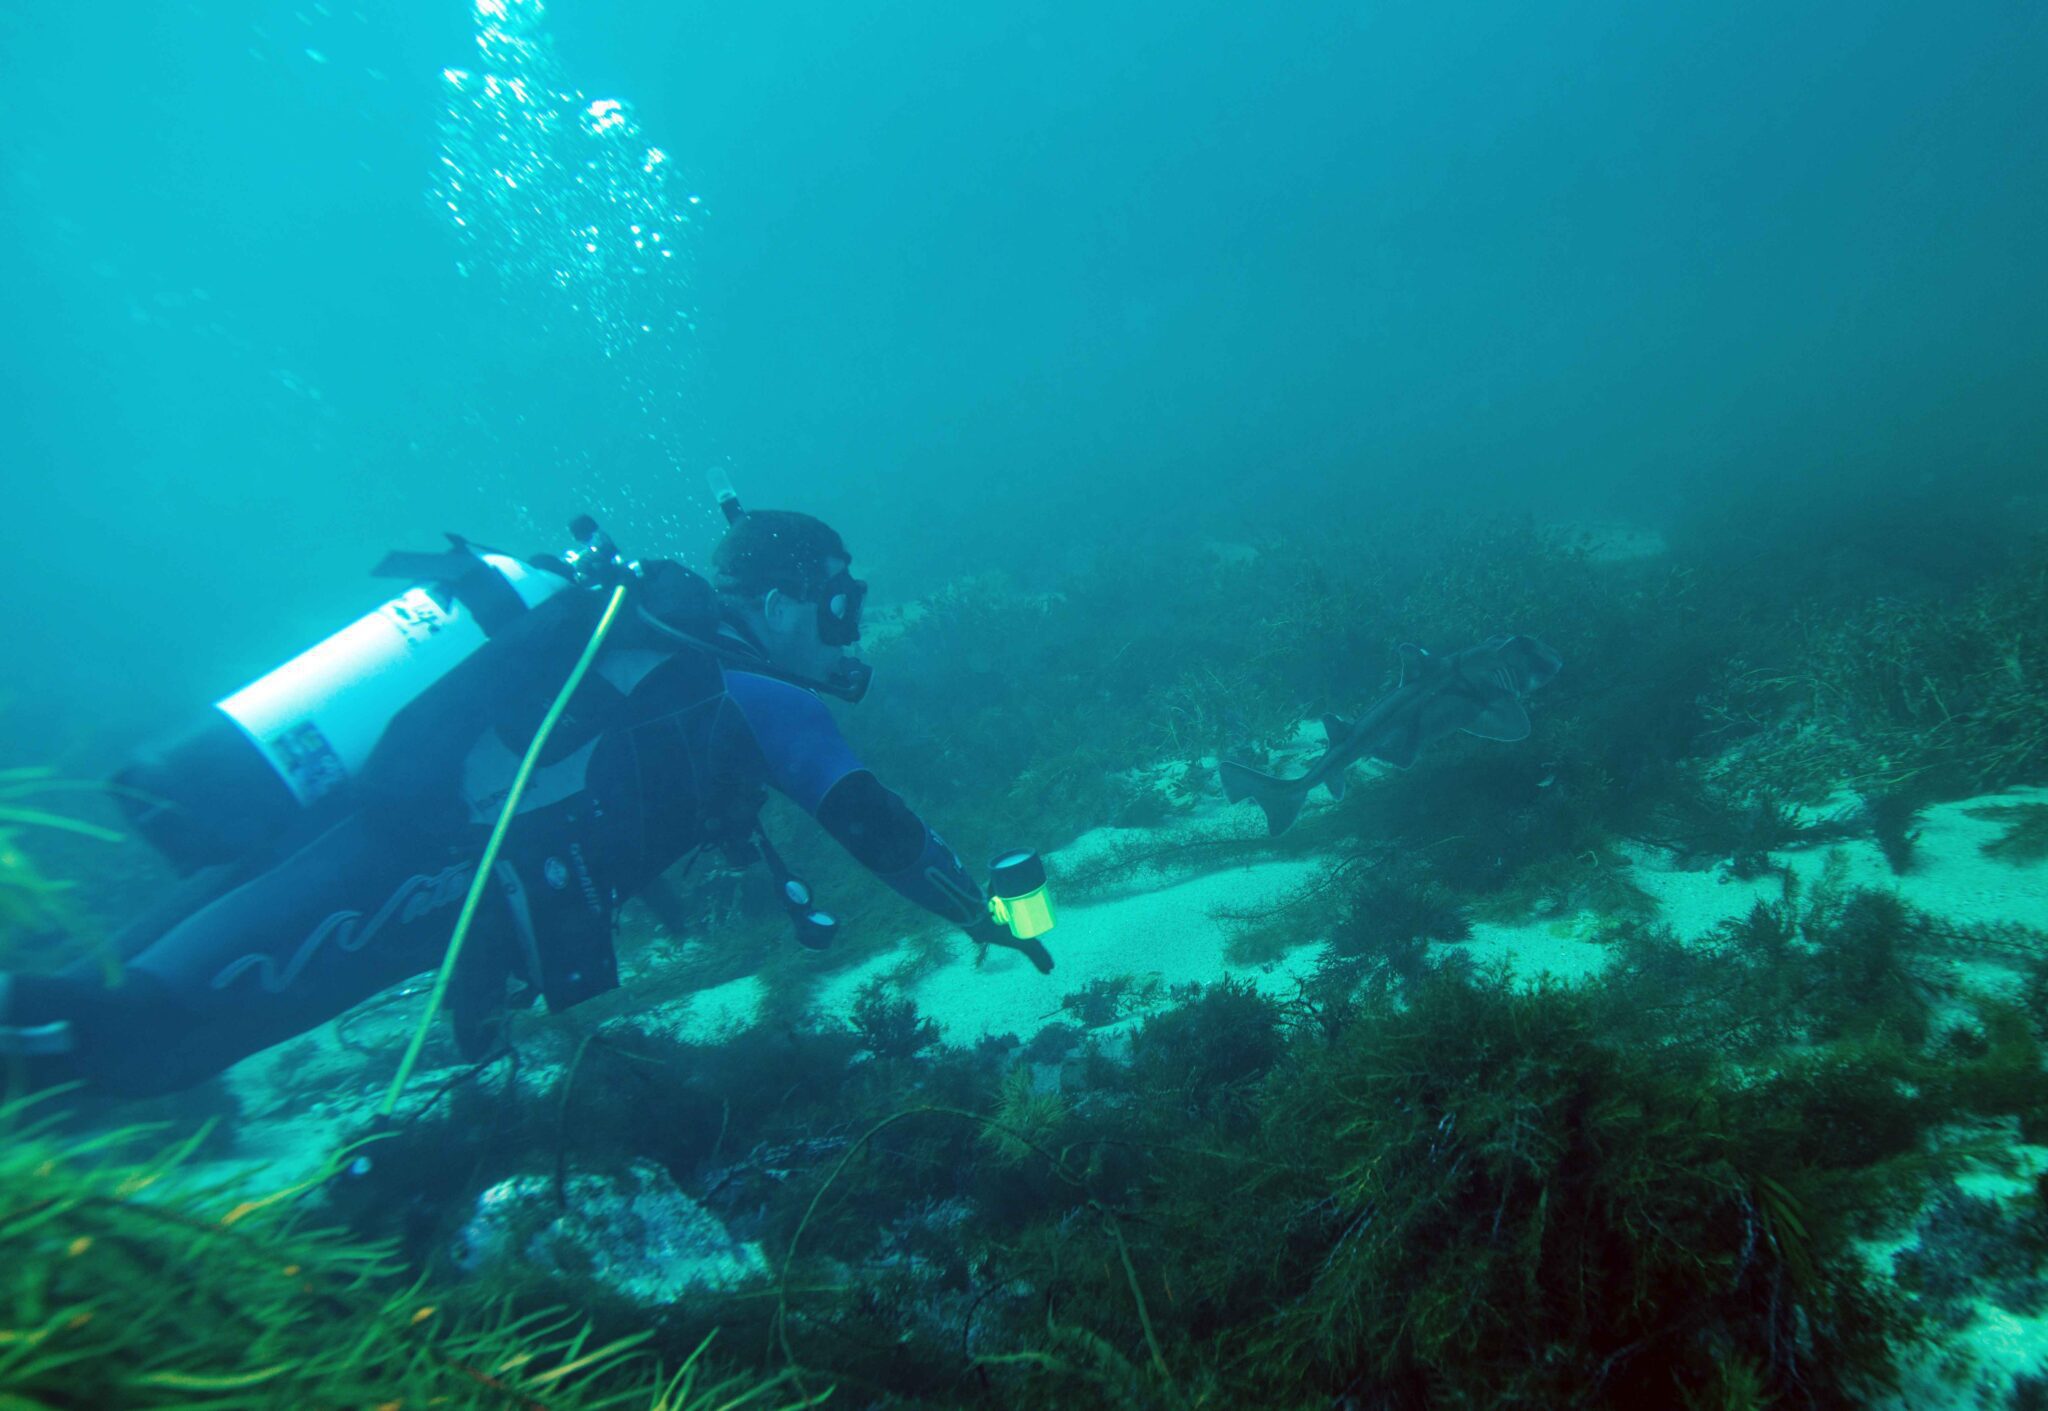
x=980, y=284
x=1155, y=310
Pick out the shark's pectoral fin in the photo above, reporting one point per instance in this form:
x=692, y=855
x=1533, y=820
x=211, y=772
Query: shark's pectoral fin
x=1335, y=728
x=1504, y=718
x=1399, y=749
x=1334, y=782
x=1239, y=781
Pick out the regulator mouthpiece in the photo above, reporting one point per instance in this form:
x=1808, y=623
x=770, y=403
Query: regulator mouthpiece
x=849, y=680
x=1018, y=894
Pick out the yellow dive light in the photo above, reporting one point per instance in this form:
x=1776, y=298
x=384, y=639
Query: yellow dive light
x=1018, y=894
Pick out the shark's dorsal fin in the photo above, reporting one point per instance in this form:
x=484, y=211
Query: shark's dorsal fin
x=1412, y=658
x=1335, y=728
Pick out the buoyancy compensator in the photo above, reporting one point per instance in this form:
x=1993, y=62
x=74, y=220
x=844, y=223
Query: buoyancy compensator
x=383, y=711
x=284, y=751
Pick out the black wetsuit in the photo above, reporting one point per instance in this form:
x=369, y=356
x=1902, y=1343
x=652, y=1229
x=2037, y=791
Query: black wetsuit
x=666, y=752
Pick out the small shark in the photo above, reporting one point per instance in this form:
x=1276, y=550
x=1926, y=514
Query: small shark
x=1478, y=690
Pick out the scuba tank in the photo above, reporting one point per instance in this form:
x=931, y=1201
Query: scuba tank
x=283, y=750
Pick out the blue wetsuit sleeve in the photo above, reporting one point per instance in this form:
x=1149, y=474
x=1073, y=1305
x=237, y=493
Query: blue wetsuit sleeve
x=800, y=742
x=809, y=761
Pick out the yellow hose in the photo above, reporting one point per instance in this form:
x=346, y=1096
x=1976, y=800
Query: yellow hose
x=490, y=857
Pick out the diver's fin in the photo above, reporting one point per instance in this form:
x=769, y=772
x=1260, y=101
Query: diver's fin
x=1280, y=798
x=1335, y=728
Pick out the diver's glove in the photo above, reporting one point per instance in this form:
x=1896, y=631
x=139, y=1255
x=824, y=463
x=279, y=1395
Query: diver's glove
x=990, y=932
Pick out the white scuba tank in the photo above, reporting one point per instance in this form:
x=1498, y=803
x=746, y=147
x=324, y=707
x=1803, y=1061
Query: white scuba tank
x=252, y=768
x=317, y=717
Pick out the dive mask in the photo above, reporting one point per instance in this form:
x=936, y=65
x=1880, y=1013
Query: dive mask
x=839, y=602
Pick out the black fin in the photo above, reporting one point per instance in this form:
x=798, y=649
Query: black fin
x=1503, y=718
x=1280, y=798
x=1400, y=751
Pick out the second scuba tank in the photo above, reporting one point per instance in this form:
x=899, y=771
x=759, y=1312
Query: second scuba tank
x=263, y=759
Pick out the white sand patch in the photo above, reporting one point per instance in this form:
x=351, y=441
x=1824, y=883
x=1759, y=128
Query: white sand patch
x=1956, y=879
x=702, y=1017
x=1554, y=948
x=1171, y=935
x=1972, y=1368
x=1951, y=877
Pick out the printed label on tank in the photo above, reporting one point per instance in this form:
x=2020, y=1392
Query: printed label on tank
x=416, y=615
x=309, y=763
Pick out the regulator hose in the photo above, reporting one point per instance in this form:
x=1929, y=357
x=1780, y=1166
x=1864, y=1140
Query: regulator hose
x=490, y=855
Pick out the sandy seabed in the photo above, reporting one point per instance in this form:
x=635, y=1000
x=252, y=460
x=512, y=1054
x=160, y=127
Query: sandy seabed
x=1178, y=931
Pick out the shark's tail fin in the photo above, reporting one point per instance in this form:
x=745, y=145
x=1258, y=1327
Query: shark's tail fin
x=1280, y=798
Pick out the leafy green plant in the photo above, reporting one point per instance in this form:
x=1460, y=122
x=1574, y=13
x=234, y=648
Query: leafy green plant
x=1467, y=1198
x=1892, y=815
x=1205, y=1054
x=888, y=1024
x=1516, y=1212
x=41, y=926
x=1864, y=976
x=1837, y=962
x=1387, y=914
x=126, y=1284
x=25, y=782
x=1940, y=687
x=2025, y=839
x=1108, y=998
x=1025, y=1119
x=1640, y=1191
x=1707, y=825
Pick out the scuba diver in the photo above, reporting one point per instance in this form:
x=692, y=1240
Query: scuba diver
x=330, y=833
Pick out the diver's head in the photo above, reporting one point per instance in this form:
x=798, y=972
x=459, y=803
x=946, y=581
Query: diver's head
x=785, y=576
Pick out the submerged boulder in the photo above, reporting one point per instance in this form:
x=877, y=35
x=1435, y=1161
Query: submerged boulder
x=634, y=1232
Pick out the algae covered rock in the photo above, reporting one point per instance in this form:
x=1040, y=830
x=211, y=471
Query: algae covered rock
x=634, y=1232
x=129, y=1283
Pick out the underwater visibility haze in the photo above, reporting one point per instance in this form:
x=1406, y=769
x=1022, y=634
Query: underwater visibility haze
x=641, y=638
